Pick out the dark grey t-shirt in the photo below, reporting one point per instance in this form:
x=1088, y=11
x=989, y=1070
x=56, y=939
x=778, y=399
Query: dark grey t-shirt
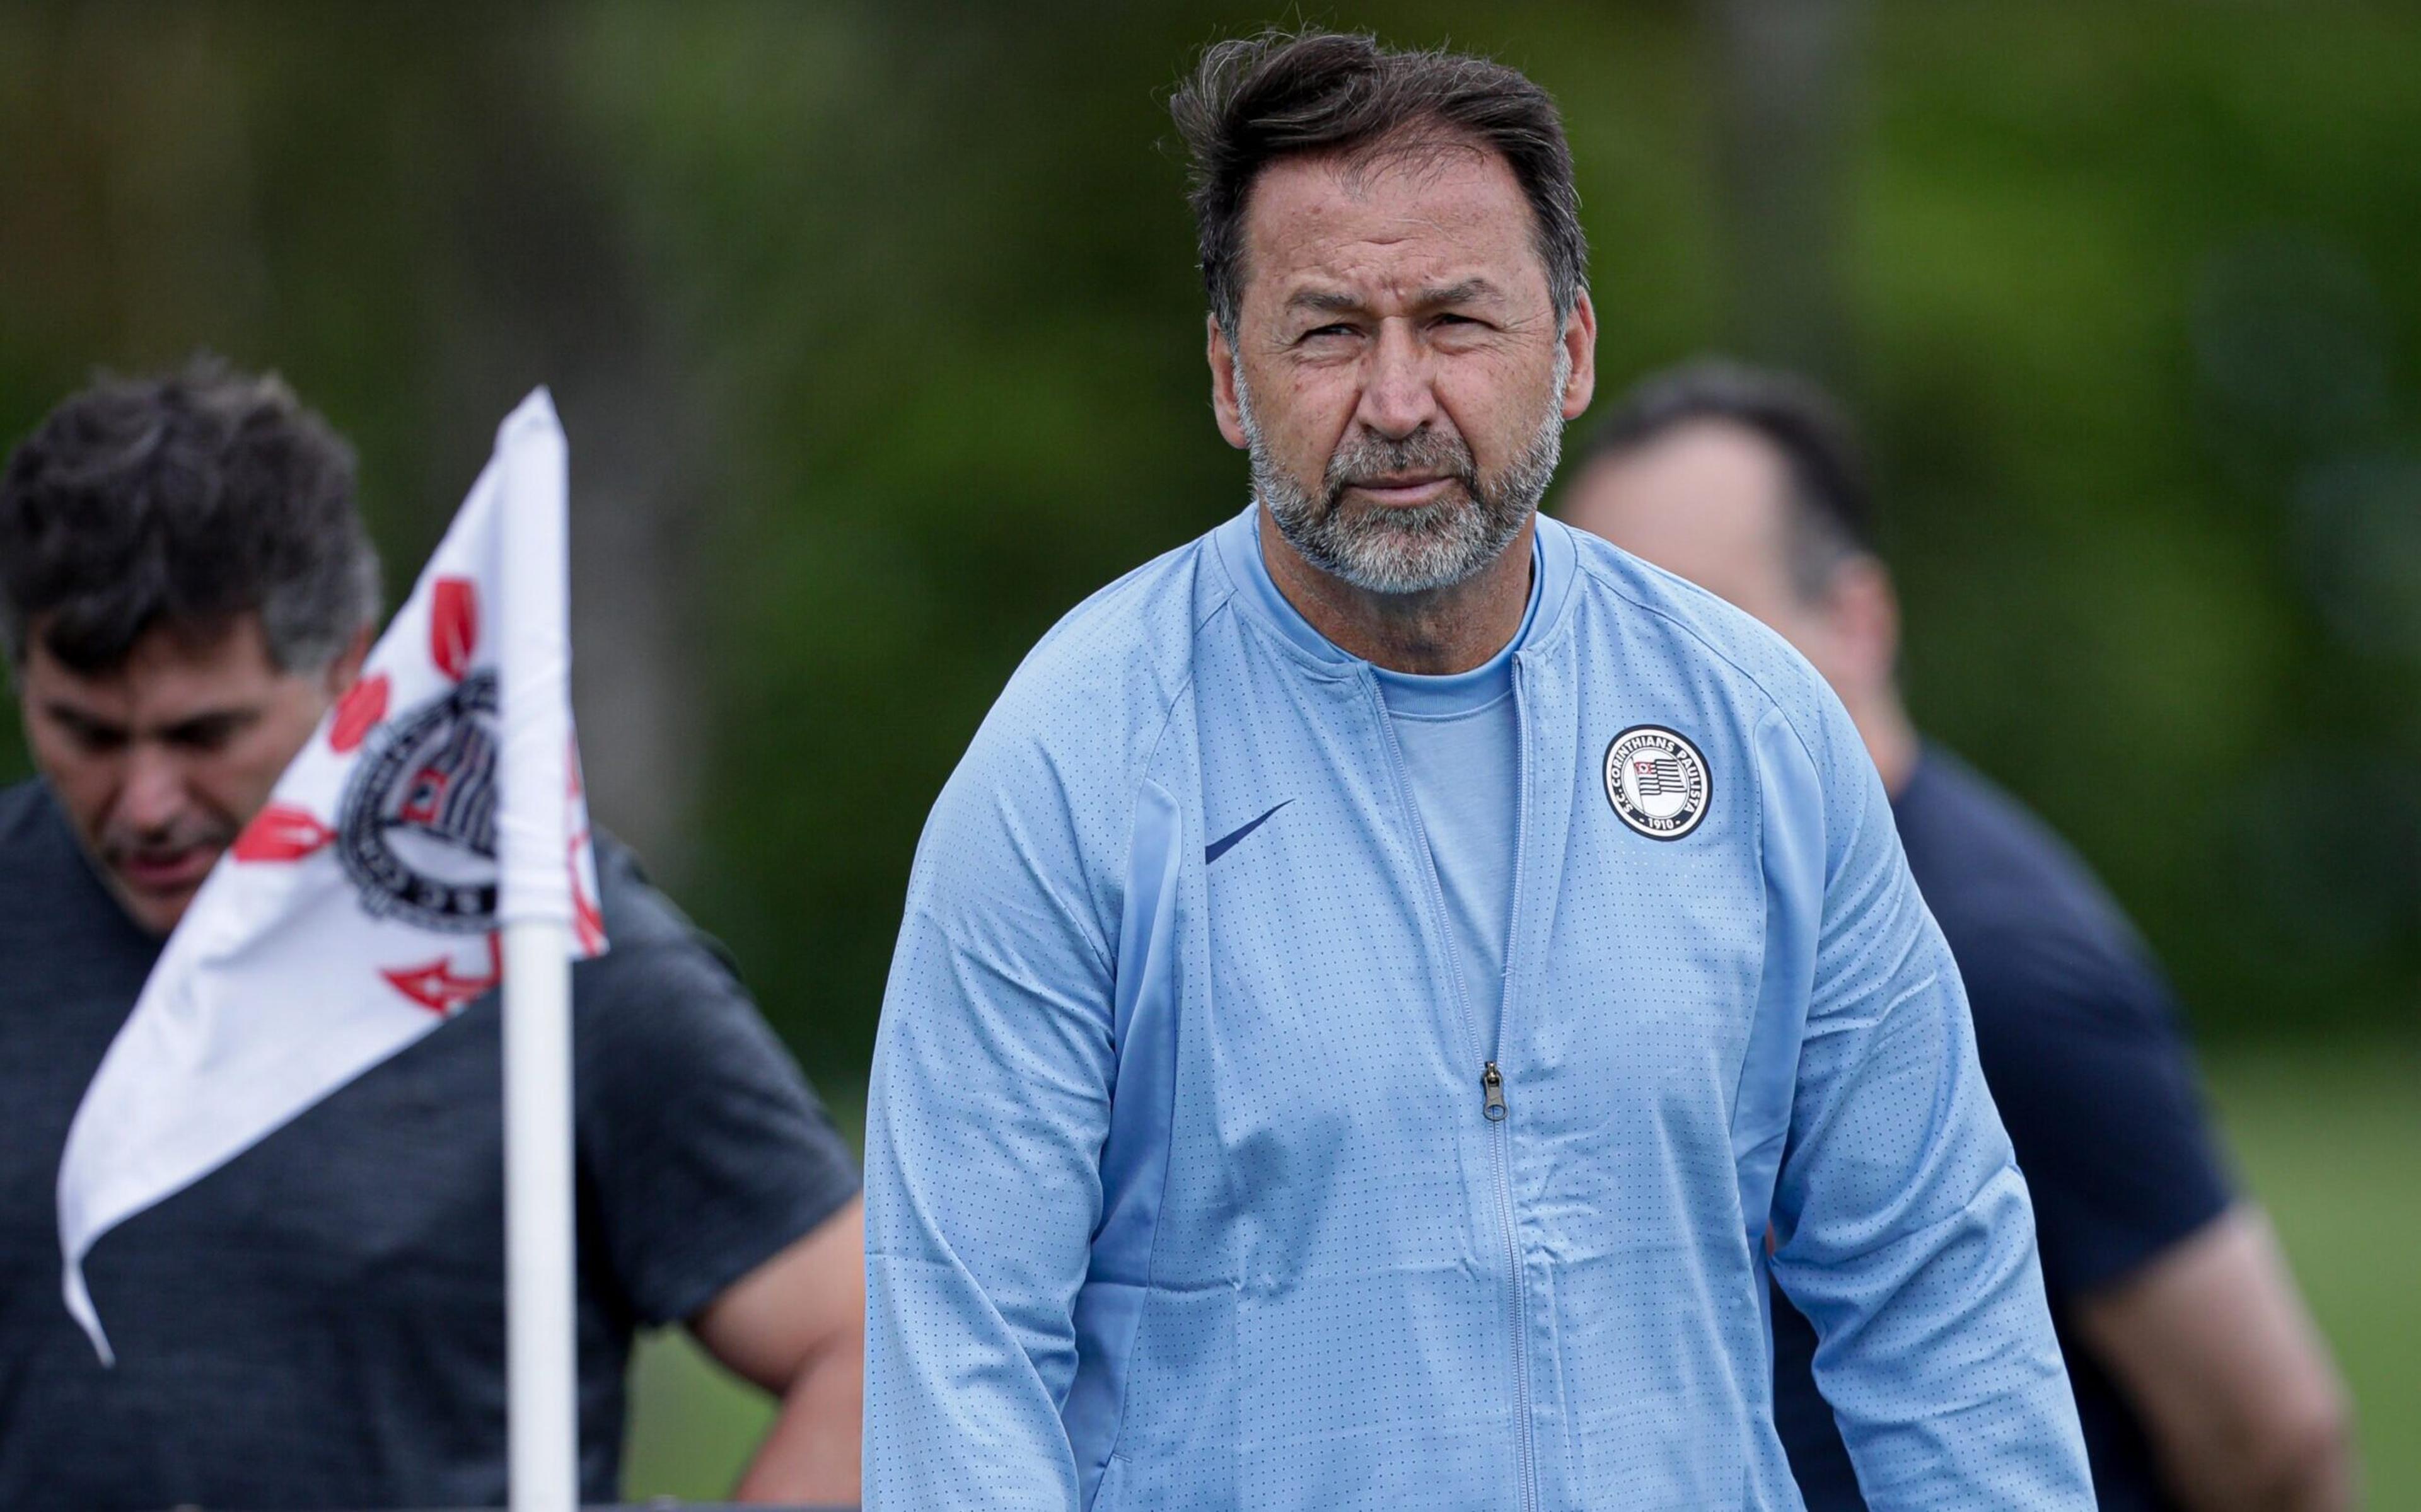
x=2080, y=1044
x=320, y=1323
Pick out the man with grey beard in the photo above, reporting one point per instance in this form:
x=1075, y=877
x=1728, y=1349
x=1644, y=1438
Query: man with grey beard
x=1420, y=547
x=1382, y=969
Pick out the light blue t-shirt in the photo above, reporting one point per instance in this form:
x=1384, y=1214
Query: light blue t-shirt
x=1182, y=1185
x=1459, y=741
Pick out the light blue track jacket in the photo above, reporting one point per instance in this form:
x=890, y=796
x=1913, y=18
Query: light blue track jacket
x=1181, y=1186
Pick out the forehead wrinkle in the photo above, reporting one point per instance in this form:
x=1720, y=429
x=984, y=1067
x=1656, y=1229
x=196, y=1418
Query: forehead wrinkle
x=1435, y=296
x=1346, y=239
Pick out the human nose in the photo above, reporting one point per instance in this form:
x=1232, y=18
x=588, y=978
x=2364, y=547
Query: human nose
x=1397, y=397
x=153, y=797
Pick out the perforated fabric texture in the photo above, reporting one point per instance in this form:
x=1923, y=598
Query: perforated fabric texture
x=1182, y=1187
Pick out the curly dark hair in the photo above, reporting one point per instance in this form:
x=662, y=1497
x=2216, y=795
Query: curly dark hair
x=1253, y=101
x=186, y=499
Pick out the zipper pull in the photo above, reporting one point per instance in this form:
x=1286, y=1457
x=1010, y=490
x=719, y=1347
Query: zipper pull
x=1492, y=1082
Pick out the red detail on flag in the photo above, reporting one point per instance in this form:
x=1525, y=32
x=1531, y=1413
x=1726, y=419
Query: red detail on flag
x=282, y=832
x=587, y=919
x=453, y=626
x=425, y=795
x=358, y=713
x=440, y=988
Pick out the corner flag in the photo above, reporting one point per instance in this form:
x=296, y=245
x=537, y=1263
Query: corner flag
x=436, y=811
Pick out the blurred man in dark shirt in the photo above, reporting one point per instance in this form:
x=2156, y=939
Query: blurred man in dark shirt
x=2199, y=1380
x=184, y=590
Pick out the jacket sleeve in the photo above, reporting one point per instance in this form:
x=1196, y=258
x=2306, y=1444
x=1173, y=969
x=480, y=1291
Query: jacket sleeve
x=986, y=1117
x=1902, y=1229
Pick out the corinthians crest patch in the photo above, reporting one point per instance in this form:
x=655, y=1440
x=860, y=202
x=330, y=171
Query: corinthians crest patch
x=417, y=830
x=385, y=831
x=1656, y=781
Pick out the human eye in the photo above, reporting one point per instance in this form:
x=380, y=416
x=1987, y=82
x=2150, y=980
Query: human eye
x=208, y=734
x=1459, y=330
x=90, y=736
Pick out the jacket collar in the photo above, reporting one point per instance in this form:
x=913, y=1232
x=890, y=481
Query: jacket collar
x=1237, y=545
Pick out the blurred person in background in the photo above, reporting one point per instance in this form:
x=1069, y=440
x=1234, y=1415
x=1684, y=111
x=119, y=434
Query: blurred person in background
x=1379, y=965
x=2200, y=1381
x=185, y=587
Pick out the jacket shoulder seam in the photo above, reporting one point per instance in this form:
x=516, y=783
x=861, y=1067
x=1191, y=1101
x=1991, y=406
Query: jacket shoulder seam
x=1775, y=705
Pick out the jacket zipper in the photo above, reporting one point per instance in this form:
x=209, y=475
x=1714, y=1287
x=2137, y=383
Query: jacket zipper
x=1439, y=930
x=1492, y=1083
x=1494, y=1106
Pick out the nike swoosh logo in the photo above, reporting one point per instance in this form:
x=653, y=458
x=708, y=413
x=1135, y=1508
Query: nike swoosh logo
x=1221, y=847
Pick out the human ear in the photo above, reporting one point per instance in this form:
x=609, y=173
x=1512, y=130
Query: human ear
x=1578, y=338
x=1865, y=611
x=1226, y=400
x=345, y=667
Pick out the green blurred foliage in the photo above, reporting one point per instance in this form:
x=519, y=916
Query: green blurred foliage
x=2130, y=322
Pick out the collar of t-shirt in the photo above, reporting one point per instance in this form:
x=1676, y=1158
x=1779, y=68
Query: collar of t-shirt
x=1406, y=693
x=1459, y=744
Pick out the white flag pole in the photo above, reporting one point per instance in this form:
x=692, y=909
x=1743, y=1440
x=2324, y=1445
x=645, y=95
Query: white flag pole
x=535, y=906
x=540, y=1344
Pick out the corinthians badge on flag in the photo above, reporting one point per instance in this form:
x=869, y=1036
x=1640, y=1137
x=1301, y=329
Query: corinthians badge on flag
x=361, y=908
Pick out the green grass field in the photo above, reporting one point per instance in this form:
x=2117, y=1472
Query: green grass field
x=2329, y=1140
x=2332, y=1143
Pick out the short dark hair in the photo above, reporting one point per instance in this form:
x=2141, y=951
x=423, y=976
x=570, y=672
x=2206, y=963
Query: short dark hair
x=1832, y=511
x=1251, y=102
x=185, y=500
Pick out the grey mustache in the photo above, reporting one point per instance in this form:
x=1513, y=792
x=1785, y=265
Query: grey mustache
x=1364, y=459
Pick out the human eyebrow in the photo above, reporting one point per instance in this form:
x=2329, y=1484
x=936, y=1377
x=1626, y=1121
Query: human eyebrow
x=83, y=726
x=211, y=729
x=1324, y=301
x=1467, y=291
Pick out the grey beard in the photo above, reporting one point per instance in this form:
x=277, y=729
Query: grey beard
x=1419, y=549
